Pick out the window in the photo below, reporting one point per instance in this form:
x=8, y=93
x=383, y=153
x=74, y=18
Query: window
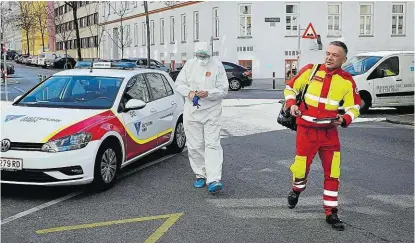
x=184, y=32
x=398, y=19
x=167, y=85
x=291, y=20
x=127, y=5
x=245, y=19
x=246, y=63
x=135, y=34
x=128, y=36
x=227, y=67
x=390, y=66
x=143, y=34
x=137, y=89
x=95, y=18
x=196, y=26
x=216, y=23
x=334, y=20
x=152, y=32
x=161, y=31
x=172, y=30
x=157, y=87
x=366, y=19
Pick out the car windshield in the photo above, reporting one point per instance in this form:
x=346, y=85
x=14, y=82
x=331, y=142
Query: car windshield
x=81, y=92
x=358, y=65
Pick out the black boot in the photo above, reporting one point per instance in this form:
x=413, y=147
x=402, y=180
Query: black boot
x=334, y=220
x=293, y=199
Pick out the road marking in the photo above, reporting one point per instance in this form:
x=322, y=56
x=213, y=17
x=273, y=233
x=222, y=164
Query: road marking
x=171, y=220
x=61, y=199
x=37, y=208
x=19, y=89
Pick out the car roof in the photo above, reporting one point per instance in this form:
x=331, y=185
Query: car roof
x=384, y=53
x=117, y=73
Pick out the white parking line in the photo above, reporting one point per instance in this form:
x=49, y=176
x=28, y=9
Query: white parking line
x=73, y=194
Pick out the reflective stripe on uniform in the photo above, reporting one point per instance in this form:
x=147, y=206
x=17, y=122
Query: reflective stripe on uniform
x=299, y=186
x=293, y=97
x=350, y=114
x=287, y=87
x=310, y=119
x=331, y=193
x=351, y=107
x=322, y=100
x=330, y=203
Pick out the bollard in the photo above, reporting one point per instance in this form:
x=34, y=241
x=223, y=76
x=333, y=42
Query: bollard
x=273, y=80
x=39, y=77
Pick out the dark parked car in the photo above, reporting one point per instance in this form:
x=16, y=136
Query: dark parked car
x=142, y=63
x=10, y=69
x=238, y=76
x=65, y=62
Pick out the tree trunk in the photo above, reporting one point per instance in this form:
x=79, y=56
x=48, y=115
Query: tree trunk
x=27, y=42
x=43, y=40
x=148, y=33
x=78, y=38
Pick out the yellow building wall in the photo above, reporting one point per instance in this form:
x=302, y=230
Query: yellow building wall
x=35, y=40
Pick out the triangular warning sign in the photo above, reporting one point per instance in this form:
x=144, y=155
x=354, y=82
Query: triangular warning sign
x=310, y=33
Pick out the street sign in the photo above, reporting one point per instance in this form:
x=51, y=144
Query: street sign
x=309, y=32
x=272, y=19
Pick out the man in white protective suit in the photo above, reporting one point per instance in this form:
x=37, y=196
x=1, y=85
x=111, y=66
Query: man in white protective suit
x=203, y=80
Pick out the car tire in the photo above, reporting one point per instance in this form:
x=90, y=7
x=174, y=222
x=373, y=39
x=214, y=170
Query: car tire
x=107, y=166
x=366, y=102
x=235, y=84
x=179, y=140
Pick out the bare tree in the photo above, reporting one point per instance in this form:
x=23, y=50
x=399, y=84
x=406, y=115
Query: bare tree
x=64, y=29
x=122, y=37
x=39, y=12
x=25, y=19
x=97, y=29
x=74, y=6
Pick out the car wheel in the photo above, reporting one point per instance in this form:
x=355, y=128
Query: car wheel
x=179, y=140
x=235, y=84
x=366, y=102
x=107, y=165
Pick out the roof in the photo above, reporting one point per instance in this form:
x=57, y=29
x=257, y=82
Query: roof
x=384, y=53
x=114, y=72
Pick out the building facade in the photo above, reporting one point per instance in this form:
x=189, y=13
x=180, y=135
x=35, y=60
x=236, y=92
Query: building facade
x=65, y=35
x=259, y=35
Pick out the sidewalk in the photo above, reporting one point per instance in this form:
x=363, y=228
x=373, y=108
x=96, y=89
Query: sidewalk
x=267, y=84
x=406, y=119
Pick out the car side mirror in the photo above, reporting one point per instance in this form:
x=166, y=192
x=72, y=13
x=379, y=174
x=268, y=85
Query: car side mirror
x=17, y=98
x=134, y=104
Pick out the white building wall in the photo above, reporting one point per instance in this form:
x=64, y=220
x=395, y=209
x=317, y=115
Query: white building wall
x=269, y=43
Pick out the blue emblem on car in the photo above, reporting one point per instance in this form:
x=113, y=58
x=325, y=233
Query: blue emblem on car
x=137, y=127
x=13, y=117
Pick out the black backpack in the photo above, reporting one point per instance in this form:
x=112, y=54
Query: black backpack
x=284, y=117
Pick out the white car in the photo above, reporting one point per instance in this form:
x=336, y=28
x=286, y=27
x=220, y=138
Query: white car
x=83, y=125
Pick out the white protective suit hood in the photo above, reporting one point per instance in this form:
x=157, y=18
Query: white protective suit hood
x=203, y=49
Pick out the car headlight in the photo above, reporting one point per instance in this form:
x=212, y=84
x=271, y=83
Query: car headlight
x=72, y=142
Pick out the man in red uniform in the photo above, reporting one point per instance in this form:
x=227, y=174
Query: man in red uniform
x=317, y=122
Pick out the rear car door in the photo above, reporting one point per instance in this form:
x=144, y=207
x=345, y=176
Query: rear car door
x=164, y=99
x=406, y=68
x=141, y=124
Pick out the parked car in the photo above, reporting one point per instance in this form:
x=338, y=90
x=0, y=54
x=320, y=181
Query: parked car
x=142, y=63
x=33, y=61
x=63, y=62
x=21, y=57
x=81, y=126
x=45, y=58
x=238, y=76
x=10, y=69
x=11, y=54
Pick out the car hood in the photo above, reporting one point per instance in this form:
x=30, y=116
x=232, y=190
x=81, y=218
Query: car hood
x=39, y=124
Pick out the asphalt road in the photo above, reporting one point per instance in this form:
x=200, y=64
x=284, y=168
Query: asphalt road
x=154, y=200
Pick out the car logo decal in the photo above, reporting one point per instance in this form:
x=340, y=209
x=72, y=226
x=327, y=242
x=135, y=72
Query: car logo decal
x=137, y=127
x=13, y=117
x=5, y=145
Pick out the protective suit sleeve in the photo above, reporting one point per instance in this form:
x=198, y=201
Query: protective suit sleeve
x=182, y=84
x=294, y=86
x=222, y=85
x=352, y=103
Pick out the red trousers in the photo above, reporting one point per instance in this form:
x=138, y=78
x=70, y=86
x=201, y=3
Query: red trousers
x=326, y=142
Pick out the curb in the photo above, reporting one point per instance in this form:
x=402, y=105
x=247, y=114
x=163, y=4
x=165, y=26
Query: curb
x=399, y=122
x=263, y=89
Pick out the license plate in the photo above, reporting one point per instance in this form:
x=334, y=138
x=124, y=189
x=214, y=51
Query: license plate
x=11, y=164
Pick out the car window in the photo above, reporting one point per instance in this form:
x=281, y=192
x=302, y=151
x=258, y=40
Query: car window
x=390, y=66
x=157, y=87
x=227, y=67
x=82, y=92
x=169, y=89
x=153, y=63
x=137, y=89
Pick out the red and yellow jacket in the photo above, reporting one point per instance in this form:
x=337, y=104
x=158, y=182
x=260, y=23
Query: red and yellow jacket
x=324, y=93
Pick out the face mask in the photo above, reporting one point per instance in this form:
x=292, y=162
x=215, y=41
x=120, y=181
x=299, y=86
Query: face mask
x=203, y=62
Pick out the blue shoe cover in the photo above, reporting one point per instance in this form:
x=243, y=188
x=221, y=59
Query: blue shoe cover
x=215, y=186
x=199, y=183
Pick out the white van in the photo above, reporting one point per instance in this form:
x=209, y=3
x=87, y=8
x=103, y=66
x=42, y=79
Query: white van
x=384, y=78
x=45, y=58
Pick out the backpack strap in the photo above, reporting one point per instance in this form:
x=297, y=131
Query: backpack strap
x=316, y=67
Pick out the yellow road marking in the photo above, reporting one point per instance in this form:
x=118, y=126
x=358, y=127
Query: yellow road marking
x=171, y=220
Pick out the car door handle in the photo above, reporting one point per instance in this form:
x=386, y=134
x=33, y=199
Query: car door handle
x=173, y=102
x=153, y=110
x=398, y=79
